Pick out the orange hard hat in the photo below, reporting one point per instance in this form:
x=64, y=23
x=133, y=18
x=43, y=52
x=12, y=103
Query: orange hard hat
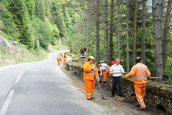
x=91, y=57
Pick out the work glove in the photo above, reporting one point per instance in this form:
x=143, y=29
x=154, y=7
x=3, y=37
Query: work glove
x=126, y=76
x=92, y=68
x=98, y=79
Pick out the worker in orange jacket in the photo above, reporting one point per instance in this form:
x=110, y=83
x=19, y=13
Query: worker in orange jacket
x=59, y=59
x=104, y=68
x=65, y=58
x=140, y=73
x=106, y=73
x=89, y=76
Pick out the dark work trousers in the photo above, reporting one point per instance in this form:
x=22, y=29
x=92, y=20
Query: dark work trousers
x=116, y=85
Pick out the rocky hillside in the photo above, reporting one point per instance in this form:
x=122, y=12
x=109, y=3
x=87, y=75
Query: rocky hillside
x=14, y=52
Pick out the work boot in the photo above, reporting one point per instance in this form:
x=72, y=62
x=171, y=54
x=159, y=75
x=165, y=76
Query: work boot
x=142, y=109
x=137, y=105
x=92, y=98
x=89, y=98
x=120, y=95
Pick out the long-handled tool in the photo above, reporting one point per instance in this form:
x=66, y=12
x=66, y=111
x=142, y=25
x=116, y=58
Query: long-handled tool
x=118, y=72
x=123, y=73
x=101, y=91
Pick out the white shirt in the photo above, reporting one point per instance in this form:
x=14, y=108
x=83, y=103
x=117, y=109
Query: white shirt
x=103, y=66
x=117, y=70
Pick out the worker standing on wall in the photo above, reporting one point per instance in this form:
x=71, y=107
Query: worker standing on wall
x=90, y=75
x=141, y=73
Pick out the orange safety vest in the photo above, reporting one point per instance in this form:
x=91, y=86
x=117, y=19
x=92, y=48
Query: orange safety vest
x=140, y=73
x=58, y=58
x=106, y=71
x=87, y=73
x=65, y=58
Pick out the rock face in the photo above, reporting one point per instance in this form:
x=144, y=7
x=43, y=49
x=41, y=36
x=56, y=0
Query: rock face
x=157, y=95
x=4, y=42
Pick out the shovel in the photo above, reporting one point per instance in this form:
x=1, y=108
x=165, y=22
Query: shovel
x=101, y=91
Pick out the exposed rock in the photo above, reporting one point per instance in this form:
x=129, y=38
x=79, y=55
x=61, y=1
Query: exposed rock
x=4, y=42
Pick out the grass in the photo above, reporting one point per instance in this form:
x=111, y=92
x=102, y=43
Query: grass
x=34, y=55
x=20, y=54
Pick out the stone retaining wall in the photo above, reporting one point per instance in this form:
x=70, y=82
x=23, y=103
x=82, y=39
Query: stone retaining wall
x=157, y=95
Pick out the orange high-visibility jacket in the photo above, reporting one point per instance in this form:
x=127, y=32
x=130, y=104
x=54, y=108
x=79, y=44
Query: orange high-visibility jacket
x=140, y=72
x=106, y=73
x=88, y=74
x=65, y=58
x=59, y=58
x=108, y=70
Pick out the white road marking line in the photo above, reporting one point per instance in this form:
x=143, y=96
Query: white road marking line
x=21, y=74
x=7, y=103
x=9, y=98
x=18, y=78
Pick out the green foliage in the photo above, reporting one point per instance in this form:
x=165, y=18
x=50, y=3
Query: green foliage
x=58, y=19
x=40, y=9
x=37, y=23
x=30, y=4
x=22, y=21
x=7, y=25
x=45, y=32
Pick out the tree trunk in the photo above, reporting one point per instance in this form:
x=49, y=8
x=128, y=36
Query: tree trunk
x=88, y=32
x=166, y=33
x=135, y=30
x=144, y=10
x=106, y=32
x=111, y=30
x=157, y=33
x=127, y=38
x=119, y=30
x=97, y=32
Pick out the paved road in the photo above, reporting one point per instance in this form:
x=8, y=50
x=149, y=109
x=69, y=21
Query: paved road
x=41, y=88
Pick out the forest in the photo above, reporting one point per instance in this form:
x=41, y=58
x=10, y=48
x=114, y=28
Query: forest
x=37, y=23
x=108, y=28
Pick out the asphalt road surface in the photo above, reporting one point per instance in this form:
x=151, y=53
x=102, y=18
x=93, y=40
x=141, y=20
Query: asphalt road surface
x=41, y=88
